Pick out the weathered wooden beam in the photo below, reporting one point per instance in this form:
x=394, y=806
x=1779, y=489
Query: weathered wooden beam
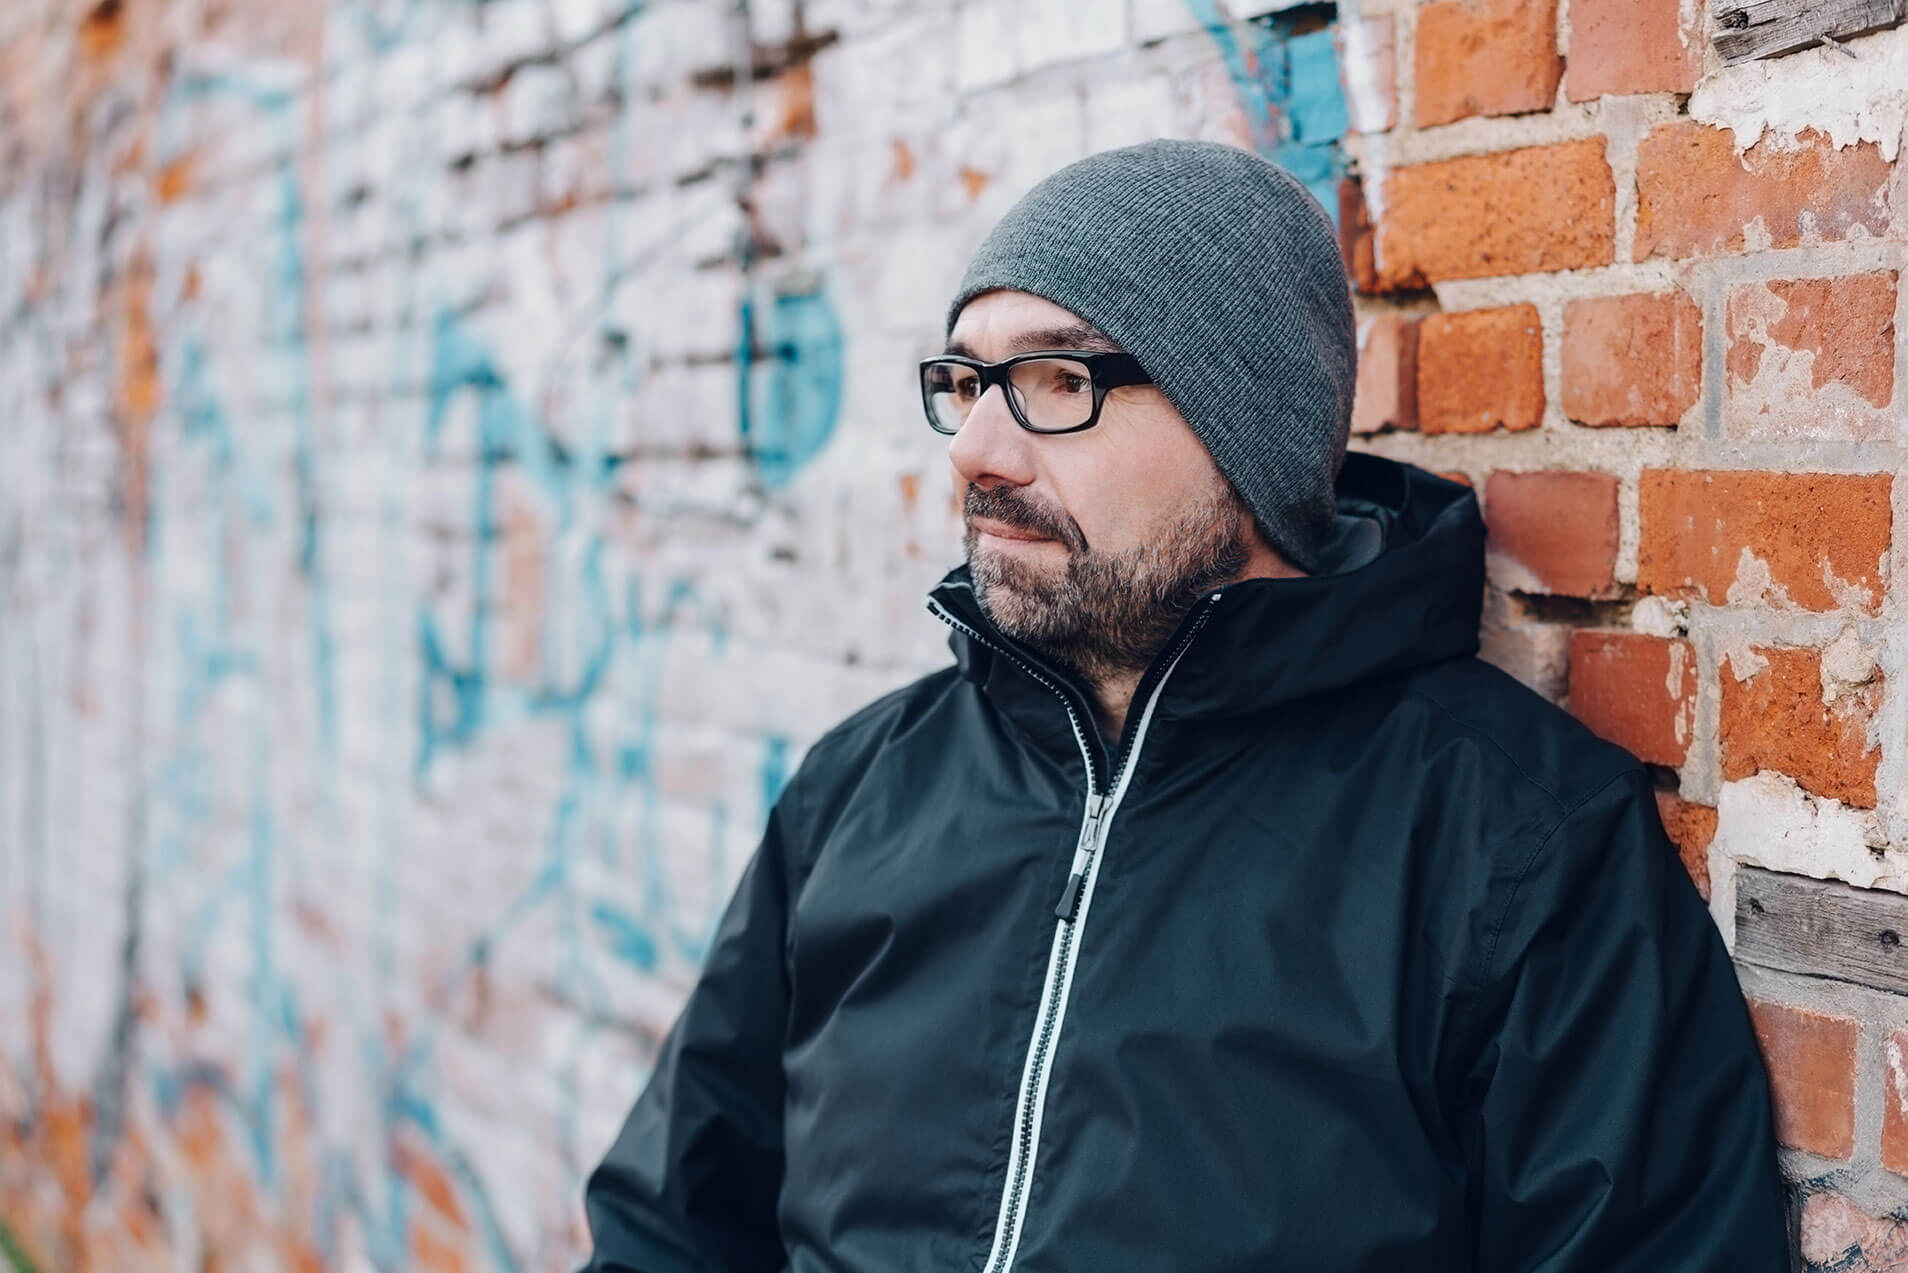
x=1763, y=28
x=1822, y=929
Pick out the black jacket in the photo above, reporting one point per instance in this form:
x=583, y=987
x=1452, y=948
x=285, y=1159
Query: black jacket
x=1354, y=954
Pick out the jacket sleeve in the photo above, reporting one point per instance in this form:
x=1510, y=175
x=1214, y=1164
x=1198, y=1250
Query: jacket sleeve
x=692, y=1180
x=1623, y=1123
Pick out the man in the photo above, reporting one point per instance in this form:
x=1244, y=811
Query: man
x=1219, y=909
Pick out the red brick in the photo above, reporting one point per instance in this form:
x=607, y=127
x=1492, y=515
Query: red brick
x=1812, y=357
x=1690, y=827
x=1550, y=532
x=102, y=30
x=1894, y=1133
x=1513, y=212
x=1357, y=240
x=1742, y=538
x=1773, y=717
x=1367, y=69
x=1481, y=369
x=1485, y=57
x=1636, y=690
x=1632, y=360
x=173, y=181
x=1695, y=197
x=1811, y=1062
x=1387, y=391
x=1631, y=46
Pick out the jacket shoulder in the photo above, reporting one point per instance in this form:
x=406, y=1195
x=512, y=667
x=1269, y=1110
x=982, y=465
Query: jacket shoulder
x=842, y=757
x=1521, y=739
x=1551, y=804
x=879, y=721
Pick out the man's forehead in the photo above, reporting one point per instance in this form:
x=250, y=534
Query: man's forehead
x=1072, y=334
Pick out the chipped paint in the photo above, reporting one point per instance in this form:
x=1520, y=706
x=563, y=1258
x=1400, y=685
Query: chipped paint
x=1898, y=1071
x=1767, y=820
x=1674, y=686
x=1811, y=358
x=1779, y=98
x=1741, y=660
x=1851, y=594
x=1754, y=583
x=1847, y=664
x=1660, y=616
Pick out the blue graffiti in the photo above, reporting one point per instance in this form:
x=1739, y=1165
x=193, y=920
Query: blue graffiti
x=621, y=629
x=1289, y=87
x=626, y=935
x=789, y=415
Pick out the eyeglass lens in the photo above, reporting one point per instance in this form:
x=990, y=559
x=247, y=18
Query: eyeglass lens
x=1052, y=393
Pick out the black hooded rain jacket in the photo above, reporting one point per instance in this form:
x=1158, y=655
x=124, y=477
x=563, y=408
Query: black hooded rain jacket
x=1353, y=953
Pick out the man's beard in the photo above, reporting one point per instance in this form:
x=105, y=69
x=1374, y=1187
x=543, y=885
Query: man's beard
x=1105, y=613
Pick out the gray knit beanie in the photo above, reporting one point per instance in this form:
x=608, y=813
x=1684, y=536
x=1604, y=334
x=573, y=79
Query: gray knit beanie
x=1221, y=274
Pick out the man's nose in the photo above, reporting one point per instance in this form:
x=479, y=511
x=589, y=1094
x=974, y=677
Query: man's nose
x=990, y=446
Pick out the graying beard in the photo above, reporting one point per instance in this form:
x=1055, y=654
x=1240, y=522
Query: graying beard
x=1112, y=613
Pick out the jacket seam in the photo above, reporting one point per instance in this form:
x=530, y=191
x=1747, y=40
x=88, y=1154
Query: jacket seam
x=1497, y=930
x=1419, y=692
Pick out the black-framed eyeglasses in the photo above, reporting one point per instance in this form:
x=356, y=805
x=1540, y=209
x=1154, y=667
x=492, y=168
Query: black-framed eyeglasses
x=1048, y=390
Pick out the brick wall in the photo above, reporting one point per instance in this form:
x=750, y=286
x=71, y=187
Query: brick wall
x=456, y=454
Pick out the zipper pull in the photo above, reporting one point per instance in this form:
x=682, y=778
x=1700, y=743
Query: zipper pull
x=1089, y=840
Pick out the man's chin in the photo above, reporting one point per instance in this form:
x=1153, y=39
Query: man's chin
x=1029, y=575
x=1011, y=590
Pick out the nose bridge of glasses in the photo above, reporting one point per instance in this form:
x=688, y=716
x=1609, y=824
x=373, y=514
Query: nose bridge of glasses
x=997, y=378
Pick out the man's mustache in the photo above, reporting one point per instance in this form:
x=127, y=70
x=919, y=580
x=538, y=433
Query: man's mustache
x=1010, y=507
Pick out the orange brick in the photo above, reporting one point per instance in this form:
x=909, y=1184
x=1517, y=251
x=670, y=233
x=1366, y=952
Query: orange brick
x=1636, y=690
x=1811, y=1062
x=1357, y=240
x=434, y=1252
x=1631, y=360
x=102, y=31
x=1894, y=1132
x=1811, y=540
x=1485, y=57
x=1481, y=369
x=1551, y=532
x=432, y=1184
x=1695, y=197
x=1690, y=827
x=1773, y=717
x=1812, y=357
x=1630, y=46
x=1513, y=212
x=793, y=115
x=1367, y=70
x=174, y=180
x=1386, y=396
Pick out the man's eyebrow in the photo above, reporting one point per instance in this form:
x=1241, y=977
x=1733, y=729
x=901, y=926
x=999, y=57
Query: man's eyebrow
x=1077, y=335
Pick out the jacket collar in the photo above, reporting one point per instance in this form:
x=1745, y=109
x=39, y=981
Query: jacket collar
x=1412, y=597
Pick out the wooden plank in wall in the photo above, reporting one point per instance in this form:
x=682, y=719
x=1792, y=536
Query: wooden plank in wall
x=1764, y=28
x=1822, y=928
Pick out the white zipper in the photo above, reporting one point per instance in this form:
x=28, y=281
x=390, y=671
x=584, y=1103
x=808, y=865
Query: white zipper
x=1031, y=1102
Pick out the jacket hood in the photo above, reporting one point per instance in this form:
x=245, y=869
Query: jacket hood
x=1404, y=588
